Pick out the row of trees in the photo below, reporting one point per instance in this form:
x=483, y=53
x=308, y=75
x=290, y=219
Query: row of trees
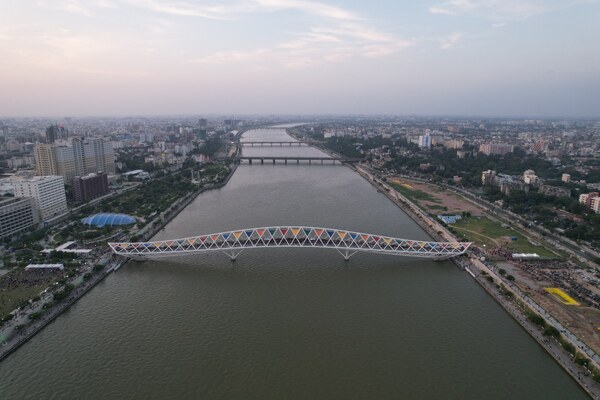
x=543, y=209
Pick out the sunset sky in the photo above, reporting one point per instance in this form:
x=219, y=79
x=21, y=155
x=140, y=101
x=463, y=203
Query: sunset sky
x=447, y=57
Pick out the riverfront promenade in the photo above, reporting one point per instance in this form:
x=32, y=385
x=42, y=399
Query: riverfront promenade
x=50, y=315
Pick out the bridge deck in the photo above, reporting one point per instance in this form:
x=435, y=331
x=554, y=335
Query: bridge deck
x=273, y=144
x=262, y=159
x=292, y=236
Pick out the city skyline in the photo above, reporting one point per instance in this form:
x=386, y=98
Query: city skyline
x=456, y=57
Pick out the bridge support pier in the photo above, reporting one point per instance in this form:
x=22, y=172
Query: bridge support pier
x=346, y=254
x=232, y=254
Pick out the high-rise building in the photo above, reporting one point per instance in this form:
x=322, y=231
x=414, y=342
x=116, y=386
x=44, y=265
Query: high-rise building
x=488, y=177
x=45, y=159
x=17, y=215
x=595, y=205
x=566, y=178
x=146, y=138
x=530, y=178
x=425, y=141
x=98, y=156
x=495, y=148
x=454, y=144
x=76, y=158
x=65, y=163
x=91, y=186
x=55, y=132
x=587, y=198
x=48, y=193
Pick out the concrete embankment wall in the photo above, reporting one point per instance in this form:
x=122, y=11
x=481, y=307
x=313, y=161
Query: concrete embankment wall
x=171, y=213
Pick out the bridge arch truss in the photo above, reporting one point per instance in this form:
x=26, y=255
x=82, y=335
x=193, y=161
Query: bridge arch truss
x=345, y=242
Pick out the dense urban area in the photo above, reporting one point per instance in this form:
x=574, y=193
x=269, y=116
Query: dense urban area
x=526, y=192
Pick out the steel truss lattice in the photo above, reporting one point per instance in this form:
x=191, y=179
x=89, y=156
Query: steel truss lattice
x=345, y=242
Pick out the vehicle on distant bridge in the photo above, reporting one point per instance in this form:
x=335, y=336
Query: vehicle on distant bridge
x=345, y=242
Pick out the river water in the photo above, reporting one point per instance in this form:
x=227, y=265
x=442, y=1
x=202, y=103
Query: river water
x=286, y=323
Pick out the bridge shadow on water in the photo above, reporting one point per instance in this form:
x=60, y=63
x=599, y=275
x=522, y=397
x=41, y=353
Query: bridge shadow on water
x=290, y=261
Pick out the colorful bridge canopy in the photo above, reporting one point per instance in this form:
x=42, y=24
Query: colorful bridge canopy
x=292, y=236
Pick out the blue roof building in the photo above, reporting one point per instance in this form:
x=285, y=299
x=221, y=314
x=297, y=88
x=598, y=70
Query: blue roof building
x=450, y=219
x=102, y=220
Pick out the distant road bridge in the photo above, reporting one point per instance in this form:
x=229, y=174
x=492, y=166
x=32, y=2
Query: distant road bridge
x=297, y=159
x=279, y=144
x=347, y=243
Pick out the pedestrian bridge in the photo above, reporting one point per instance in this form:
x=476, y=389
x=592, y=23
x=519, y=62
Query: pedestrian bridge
x=345, y=242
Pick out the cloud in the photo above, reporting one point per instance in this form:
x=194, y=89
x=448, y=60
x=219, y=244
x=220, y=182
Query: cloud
x=319, y=45
x=502, y=9
x=70, y=6
x=451, y=41
x=332, y=34
x=440, y=10
x=232, y=11
x=231, y=56
x=309, y=7
x=105, y=4
x=340, y=35
x=186, y=9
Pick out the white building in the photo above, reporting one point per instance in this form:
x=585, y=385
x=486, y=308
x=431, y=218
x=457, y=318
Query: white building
x=18, y=162
x=595, y=205
x=566, y=178
x=17, y=215
x=530, y=178
x=47, y=191
x=587, y=198
x=425, y=141
x=146, y=137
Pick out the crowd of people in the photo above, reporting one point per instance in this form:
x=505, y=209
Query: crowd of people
x=549, y=273
x=28, y=278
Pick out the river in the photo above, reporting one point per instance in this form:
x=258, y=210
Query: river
x=286, y=323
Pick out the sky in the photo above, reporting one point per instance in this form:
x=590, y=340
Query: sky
x=537, y=58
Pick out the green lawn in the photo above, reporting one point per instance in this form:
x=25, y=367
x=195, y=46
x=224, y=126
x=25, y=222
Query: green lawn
x=13, y=297
x=485, y=231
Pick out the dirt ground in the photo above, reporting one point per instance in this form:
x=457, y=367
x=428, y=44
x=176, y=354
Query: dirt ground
x=581, y=320
x=452, y=202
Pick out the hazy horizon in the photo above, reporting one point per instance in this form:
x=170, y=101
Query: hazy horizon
x=302, y=117
x=439, y=58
